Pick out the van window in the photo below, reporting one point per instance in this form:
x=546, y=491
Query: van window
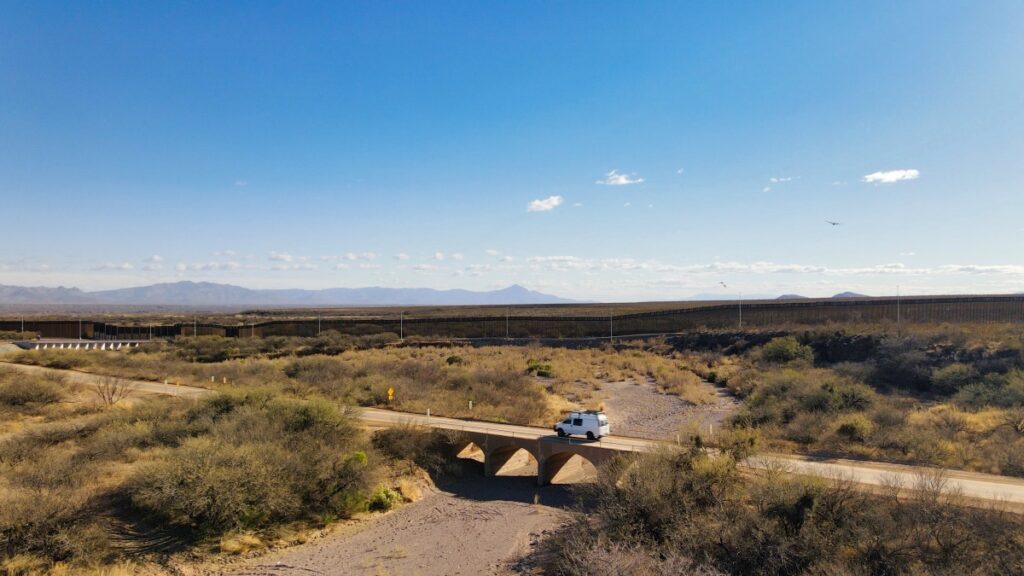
x=577, y=422
x=567, y=421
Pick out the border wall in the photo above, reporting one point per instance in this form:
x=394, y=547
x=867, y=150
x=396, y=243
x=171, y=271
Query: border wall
x=755, y=314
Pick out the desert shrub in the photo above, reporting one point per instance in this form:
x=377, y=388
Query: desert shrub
x=786, y=349
x=952, y=378
x=383, y=499
x=19, y=390
x=780, y=396
x=1001, y=390
x=539, y=368
x=215, y=486
x=266, y=460
x=431, y=450
x=207, y=349
x=856, y=427
x=15, y=335
x=902, y=363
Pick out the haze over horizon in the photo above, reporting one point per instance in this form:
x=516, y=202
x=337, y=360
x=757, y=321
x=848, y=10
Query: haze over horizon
x=604, y=152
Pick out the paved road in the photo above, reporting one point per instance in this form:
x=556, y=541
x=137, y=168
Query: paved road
x=973, y=485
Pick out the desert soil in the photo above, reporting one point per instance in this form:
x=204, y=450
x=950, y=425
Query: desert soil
x=475, y=526
x=640, y=410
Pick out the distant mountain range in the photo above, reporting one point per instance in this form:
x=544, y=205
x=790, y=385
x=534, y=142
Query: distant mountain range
x=769, y=296
x=195, y=294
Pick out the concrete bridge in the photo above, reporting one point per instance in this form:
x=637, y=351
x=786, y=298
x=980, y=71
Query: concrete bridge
x=77, y=344
x=502, y=447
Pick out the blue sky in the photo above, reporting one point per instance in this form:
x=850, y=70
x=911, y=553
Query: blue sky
x=603, y=151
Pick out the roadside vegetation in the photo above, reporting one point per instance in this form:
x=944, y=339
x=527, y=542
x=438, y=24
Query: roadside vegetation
x=125, y=485
x=6, y=335
x=689, y=513
x=947, y=396
x=521, y=384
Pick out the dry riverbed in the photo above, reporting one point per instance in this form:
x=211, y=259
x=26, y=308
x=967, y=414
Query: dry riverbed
x=474, y=526
x=640, y=410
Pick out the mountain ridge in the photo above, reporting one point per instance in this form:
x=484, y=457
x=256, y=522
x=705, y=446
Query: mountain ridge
x=189, y=293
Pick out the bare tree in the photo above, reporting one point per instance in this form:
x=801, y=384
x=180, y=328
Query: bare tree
x=112, y=390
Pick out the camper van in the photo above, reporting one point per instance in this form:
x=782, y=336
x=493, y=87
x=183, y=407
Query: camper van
x=590, y=423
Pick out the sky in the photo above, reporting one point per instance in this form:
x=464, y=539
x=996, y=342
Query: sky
x=606, y=151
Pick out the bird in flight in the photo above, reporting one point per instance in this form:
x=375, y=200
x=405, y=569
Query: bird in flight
x=833, y=223
x=723, y=284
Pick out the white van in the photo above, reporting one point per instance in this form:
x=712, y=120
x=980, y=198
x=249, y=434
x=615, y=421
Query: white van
x=591, y=423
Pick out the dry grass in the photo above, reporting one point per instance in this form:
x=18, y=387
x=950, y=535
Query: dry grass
x=443, y=379
x=686, y=512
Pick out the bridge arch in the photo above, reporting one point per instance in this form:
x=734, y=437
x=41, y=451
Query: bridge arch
x=565, y=468
x=511, y=460
x=471, y=451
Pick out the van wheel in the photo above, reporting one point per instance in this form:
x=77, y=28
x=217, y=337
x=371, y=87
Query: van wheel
x=590, y=435
x=561, y=432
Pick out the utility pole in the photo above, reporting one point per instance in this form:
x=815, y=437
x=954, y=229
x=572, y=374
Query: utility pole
x=898, y=318
x=401, y=326
x=741, y=310
x=318, y=323
x=79, y=326
x=23, y=324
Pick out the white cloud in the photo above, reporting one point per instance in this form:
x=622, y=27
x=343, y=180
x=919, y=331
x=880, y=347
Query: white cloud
x=615, y=178
x=401, y=256
x=438, y=255
x=891, y=176
x=908, y=253
x=680, y=171
x=206, y=266
x=341, y=266
x=627, y=204
x=457, y=256
x=424, y=267
x=766, y=189
x=578, y=204
x=241, y=183
x=544, y=205
x=296, y=266
x=124, y=266
x=228, y=253
x=780, y=179
x=280, y=256
x=492, y=252
x=155, y=259
x=508, y=259
x=365, y=266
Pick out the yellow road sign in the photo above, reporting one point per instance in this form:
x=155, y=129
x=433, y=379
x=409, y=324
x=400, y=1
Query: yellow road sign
x=391, y=394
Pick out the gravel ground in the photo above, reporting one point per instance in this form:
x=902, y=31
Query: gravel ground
x=473, y=527
x=641, y=411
